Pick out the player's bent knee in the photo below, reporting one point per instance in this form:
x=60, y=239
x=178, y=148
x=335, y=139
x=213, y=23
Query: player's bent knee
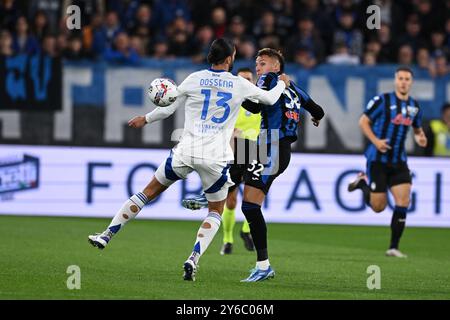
x=378, y=207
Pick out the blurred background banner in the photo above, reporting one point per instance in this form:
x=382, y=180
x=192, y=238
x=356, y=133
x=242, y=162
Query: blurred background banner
x=92, y=182
x=101, y=98
x=30, y=82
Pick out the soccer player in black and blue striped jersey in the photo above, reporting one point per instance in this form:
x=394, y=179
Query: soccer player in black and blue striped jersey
x=386, y=123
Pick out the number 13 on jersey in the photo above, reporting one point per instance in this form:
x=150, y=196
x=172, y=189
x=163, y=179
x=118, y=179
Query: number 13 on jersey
x=222, y=102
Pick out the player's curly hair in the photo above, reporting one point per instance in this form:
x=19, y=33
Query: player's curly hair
x=272, y=53
x=220, y=49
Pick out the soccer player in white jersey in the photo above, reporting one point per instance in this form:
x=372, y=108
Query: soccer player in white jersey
x=212, y=99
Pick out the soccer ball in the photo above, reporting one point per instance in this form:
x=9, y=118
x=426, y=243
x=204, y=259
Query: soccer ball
x=162, y=92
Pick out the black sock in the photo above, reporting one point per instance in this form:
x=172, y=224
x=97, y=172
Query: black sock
x=258, y=229
x=362, y=184
x=397, y=225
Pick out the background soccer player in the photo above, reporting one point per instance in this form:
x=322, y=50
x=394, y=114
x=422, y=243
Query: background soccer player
x=211, y=99
x=386, y=123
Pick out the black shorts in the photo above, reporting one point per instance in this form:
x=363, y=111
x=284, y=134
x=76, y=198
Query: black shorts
x=260, y=173
x=244, y=150
x=384, y=175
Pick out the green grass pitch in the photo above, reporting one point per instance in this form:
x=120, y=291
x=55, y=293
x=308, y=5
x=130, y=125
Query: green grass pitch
x=145, y=261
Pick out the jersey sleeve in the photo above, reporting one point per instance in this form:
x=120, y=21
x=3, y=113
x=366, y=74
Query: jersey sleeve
x=184, y=87
x=417, y=122
x=260, y=92
x=315, y=110
x=374, y=108
x=160, y=113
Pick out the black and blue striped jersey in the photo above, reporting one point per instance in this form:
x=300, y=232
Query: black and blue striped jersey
x=391, y=118
x=284, y=115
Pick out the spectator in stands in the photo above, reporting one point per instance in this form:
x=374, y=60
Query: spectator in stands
x=104, y=37
x=62, y=42
x=24, y=42
x=160, y=49
x=438, y=134
x=9, y=13
x=348, y=34
x=440, y=67
x=265, y=31
x=142, y=23
x=413, y=35
x=387, y=52
x=405, y=55
x=423, y=58
x=342, y=56
x=369, y=59
x=304, y=57
x=89, y=31
x=236, y=30
x=373, y=47
x=6, y=40
x=438, y=43
x=202, y=41
x=121, y=52
x=40, y=25
x=219, y=21
x=165, y=11
x=52, y=9
x=246, y=49
x=313, y=49
x=49, y=46
x=139, y=45
x=321, y=19
x=74, y=50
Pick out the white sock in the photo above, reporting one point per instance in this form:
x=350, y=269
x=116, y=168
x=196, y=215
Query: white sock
x=263, y=265
x=128, y=211
x=205, y=235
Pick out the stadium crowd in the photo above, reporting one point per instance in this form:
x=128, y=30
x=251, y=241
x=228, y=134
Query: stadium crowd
x=308, y=32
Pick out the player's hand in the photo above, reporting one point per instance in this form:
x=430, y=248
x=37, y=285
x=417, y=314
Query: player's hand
x=236, y=133
x=315, y=122
x=285, y=78
x=382, y=145
x=421, y=139
x=137, y=122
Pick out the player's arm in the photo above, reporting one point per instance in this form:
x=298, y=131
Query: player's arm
x=373, y=111
x=159, y=113
x=251, y=106
x=266, y=97
x=420, y=137
x=316, y=111
x=419, y=134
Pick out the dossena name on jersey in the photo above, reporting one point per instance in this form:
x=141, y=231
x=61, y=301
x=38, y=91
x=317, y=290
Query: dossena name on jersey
x=216, y=83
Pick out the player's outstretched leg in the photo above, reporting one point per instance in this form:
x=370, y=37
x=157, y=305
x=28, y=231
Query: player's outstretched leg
x=205, y=235
x=258, y=229
x=127, y=212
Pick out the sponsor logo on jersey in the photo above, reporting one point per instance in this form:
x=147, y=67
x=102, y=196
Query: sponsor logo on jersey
x=292, y=115
x=401, y=120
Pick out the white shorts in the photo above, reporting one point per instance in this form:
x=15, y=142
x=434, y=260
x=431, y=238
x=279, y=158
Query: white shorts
x=213, y=174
